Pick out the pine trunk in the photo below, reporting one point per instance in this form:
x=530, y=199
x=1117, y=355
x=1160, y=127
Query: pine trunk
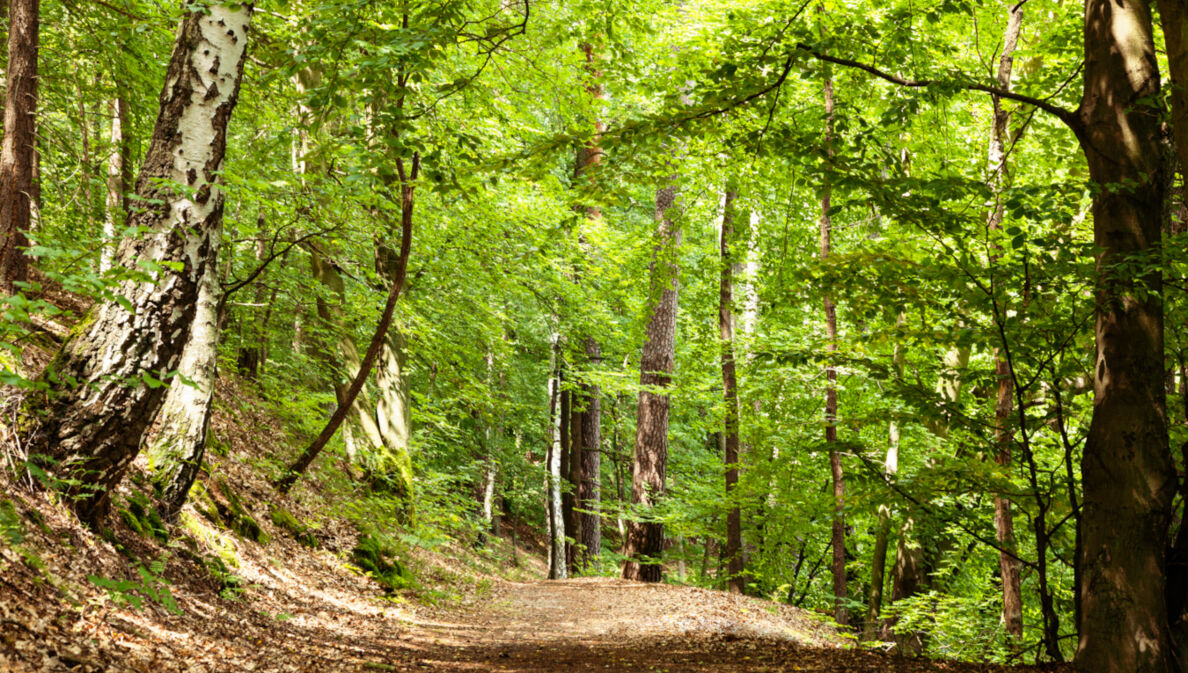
x=589, y=494
x=645, y=539
x=17, y=152
x=92, y=431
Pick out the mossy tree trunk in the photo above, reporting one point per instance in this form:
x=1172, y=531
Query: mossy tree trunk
x=175, y=453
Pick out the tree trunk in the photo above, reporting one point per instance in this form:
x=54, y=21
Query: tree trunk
x=362, y=433
x=393, y=407
x=840, y=612
x=1173, y=16
x=589, y=495
x=574, y=473
x=114, y=210
x=407, y=193
x=734, y=559
x=591, y=477
x=19, y=144
x=557, y=569
x=878, y=562
x=568, y=490
x=93, y=430
x=1127, y=472
x=645, y=539
x=908, y=580
x=175, y=453
x=1004, y=524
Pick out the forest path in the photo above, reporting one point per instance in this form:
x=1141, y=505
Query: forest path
x=608, y=625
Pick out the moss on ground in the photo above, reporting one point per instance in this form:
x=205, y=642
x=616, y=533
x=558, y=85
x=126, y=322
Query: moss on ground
x=378, y=559
x=285, y=521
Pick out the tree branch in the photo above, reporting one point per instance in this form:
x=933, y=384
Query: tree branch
x=1069, y=117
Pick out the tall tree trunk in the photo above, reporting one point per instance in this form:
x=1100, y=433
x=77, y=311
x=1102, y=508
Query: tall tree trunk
x=1004, y=523
x=175, y=454
x=407, y=194
x=91, y=431
x=589, y=493
x=557, y=569
x=645, y=539
x=574, y=472
x=362, y=432
x=19, y=144
x=840, y=612
x=393, y=407
x=878, y=561
x=1173, y=16
x=1127, y=471
x=729, y=264
x=590, y=520
x=568, y=489
x=114, y=210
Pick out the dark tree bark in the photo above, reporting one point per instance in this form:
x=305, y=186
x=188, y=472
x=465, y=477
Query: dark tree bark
x=1127, y=471
x=645, y=539
x=19, y=146
x=729, y=263
x=104, y=382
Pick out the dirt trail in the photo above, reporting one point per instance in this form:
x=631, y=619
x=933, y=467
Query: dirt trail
x=616, y=626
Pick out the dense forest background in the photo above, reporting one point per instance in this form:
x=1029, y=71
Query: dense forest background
x=825, y=302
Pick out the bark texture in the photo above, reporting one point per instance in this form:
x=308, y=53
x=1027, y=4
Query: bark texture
x=18, y=150
x=734, y=558
x=645, y=539
x=105, y=380
x=175, y=453
x=589, y=494
x=1127, y=471
x=557, y=569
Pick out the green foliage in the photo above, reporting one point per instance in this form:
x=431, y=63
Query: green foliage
x=12, y=529
x=147, y=585
x=142, y=518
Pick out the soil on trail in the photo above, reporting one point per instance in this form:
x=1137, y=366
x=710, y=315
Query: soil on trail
x=605, y=625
